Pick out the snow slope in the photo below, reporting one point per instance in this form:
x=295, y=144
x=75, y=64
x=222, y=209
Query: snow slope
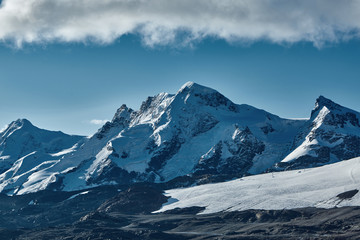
x=313, y=187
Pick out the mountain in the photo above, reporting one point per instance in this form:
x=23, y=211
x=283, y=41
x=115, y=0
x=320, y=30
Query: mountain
x=196, y=131
x=26, y=149
x=192, y=137
x=331, y=135
x=21, y=138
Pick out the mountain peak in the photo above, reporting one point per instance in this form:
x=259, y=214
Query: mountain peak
x=322, y=101
x=23, y=121
x=122, y=112
x=204, y=95
x=196, y=88
x=334, y=114
x=19, y=123
x=186, y=85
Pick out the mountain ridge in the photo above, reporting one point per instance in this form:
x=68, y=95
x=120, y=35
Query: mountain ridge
x=198, y=133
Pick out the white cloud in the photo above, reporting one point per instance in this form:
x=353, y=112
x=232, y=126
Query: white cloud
x=179, y=22
x=3, y=128
x=98, y=121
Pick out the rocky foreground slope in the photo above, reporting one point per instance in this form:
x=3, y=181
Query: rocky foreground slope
x=106, y=213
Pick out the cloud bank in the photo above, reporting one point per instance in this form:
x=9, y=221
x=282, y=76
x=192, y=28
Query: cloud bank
x=179, y=22
x=3, y=128
x=98, y=121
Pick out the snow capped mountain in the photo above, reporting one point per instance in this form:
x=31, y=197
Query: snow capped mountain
x=21, y=138
x=333, y=185
x=196, y=131
x=25, y=149
x=332, y=134
x=194, y=136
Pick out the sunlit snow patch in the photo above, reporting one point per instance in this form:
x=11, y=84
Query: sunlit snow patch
x=315, y=187
x=65, y=151
x=78, y=194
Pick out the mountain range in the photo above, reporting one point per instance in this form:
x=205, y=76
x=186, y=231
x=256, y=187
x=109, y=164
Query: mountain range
x=189, y=138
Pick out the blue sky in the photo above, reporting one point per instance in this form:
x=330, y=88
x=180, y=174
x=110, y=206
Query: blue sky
x=64, y=82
